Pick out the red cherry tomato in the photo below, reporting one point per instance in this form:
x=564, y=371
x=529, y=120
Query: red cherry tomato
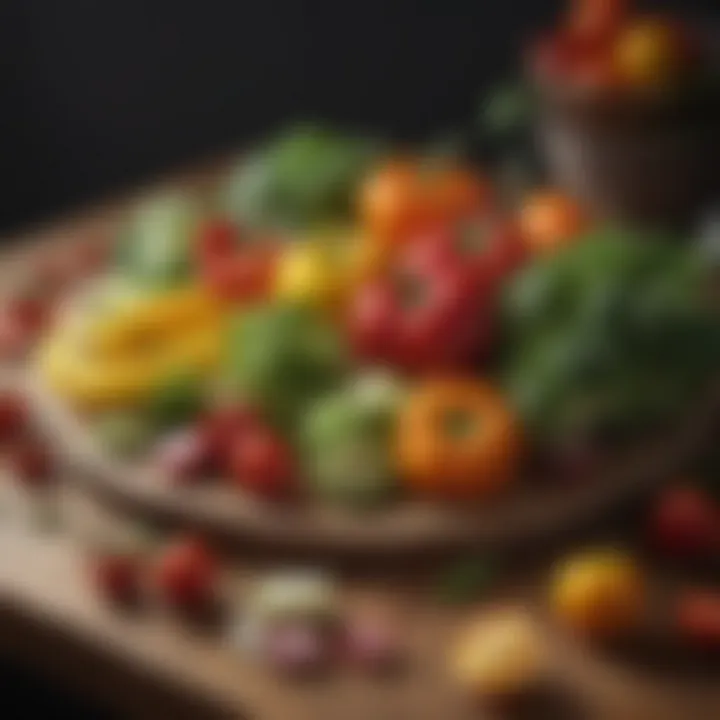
x=222, y=426
x=596, y=21
x=685, y=523
x=187, y=573
x=13, y=416
x=697, y=618
x=262, y=463
x=31, y=463
x=244, y=276
x=218, y=238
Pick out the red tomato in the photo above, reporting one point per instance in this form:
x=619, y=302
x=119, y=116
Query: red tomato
x=218, y=238
x=222, y=426
x=697, y=618
x=684, y=523
x=187, y=573
x=597, y=20
x=262, y=463
x=13, y=416
x=117, y=577
x=30, y=463
x=247, y=275
x=423, y=316
x=488, y=248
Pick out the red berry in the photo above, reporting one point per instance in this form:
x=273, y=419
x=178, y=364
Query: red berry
x=184, y=456
x=117, y=577
x=186, y=574
x=13, y=416
x=30, y=463
x=697, y=618
x=261, y=462
x=685, y=523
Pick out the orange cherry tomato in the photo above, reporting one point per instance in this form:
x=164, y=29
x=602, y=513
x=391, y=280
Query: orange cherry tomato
x=651, y=52
x=457, y=439
x=549, y=219
x=404, y=196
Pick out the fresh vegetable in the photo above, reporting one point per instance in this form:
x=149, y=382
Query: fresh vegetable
x=183, y=456
x=651, y=52
x=596, y=22
x=117, y=576
x=178, y=398
x=403, y=196
x=323, y=270
x=347, y=442
x=262, y=463
x=599, y=593
x=156, y=246
x=303, y=178
x=616, y=332
x=684, y=523
x=457, y=440
x=14, y=415
x=186, y=574
x=30, y=463
x=550, y=220
x=697, y=618
x=221, y=425
x=421, y=316
x=501, y=653
x=281, y=357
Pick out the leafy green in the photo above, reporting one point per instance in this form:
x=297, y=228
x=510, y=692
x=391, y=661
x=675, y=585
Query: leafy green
x=282, y=357
x=306, y=176
x=614, y=332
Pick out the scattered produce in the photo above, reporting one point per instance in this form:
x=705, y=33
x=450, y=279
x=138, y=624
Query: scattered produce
x=500, y=653
x=186, y=574
x=600, y=593
x=684, y=523
x=457, y=440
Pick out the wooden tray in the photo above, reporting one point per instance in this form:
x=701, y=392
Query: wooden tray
x=529, y=514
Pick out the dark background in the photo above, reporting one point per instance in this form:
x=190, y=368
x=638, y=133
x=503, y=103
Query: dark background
x=98, y=94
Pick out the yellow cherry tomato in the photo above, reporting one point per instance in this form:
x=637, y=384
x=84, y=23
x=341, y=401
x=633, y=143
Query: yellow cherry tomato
x=599, y=593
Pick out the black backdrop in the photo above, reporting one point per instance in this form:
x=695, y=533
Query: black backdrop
x=95, y=94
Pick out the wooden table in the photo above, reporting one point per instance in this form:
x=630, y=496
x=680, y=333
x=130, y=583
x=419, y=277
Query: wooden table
x=151, y=665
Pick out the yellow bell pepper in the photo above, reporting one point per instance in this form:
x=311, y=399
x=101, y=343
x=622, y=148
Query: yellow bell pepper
x=322, y=270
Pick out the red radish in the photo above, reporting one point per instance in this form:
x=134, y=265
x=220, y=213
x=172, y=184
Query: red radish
x=184, y=456
x=31, y=463
x=13, y=416
x=697, y=618
x=684, y=523
x=261, y=463
x=187, y=574
x=117, y=576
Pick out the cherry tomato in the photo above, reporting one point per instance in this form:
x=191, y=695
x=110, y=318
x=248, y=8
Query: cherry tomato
x=549, y=219
x=262, y=463
x=651, y=52
x=697, y=618
x=222, y=426
x=685, y=523
x=596, y=20
x=187, y=573
x=117, y=577
x=14, y=416
x=217, y=238
x=245, y=276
